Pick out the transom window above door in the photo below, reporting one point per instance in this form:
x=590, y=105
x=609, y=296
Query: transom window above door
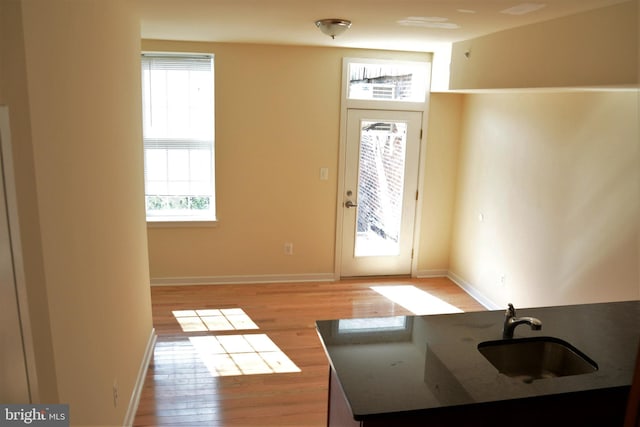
x=384, y=80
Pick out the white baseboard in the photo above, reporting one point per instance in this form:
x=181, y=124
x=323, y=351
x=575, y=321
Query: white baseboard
x=474, y=292
x=142, y=373
x=426, y=274
x=230, y=280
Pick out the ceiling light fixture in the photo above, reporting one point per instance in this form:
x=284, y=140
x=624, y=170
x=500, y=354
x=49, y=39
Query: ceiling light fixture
x=333, y=27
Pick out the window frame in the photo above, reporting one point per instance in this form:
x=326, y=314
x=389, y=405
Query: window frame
x=378, y=104
x=209, y=218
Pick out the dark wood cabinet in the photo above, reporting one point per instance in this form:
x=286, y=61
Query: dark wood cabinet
x=340, y=413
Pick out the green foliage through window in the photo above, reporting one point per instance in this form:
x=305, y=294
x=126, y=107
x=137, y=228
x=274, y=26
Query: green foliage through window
x=178, y=203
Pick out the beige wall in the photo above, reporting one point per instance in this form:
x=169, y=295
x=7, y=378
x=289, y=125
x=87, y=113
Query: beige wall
x=594, y=48
x=277, y=124
x=547, y=197
x=269, y=192
x=443, y=139
x=72, y=86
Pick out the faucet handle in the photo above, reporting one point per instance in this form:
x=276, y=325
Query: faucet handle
x=511, y=312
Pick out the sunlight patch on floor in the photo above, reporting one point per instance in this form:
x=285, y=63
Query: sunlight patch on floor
x=416, y=300
x=225, y=319
x=227, y=355
x=250, y=354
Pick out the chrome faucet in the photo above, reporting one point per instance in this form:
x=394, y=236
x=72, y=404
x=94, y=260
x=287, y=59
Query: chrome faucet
x=511, y=321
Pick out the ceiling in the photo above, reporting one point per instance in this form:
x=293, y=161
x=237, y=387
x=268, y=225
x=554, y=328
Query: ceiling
x=415, y=25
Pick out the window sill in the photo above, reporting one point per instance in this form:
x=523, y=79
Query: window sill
x=194, y=223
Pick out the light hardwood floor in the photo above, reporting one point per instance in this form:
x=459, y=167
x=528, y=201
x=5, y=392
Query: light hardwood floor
x=180, y=388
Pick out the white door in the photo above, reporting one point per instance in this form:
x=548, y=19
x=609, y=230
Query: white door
x=379, y=194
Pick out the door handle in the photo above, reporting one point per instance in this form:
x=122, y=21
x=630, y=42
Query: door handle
x=350, y=204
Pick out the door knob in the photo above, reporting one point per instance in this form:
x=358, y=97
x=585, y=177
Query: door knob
x=349, y=204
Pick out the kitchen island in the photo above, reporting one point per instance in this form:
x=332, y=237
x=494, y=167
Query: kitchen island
x=427, y=370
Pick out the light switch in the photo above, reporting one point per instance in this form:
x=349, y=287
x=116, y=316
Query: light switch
x=324, y=174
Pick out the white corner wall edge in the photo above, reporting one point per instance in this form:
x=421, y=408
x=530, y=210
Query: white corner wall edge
x=230, y=280
x=474, y=292
x=142, y=374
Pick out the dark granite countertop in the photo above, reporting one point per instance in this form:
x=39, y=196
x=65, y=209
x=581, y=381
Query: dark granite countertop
x=428, y=362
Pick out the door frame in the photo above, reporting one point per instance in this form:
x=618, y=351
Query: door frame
x=380, y=264
x=345, y=105
x=11, y=199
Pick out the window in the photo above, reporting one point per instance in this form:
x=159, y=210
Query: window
x=383, y=80
x=178, y=127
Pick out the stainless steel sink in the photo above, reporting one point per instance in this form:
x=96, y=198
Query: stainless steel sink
x=536, y=358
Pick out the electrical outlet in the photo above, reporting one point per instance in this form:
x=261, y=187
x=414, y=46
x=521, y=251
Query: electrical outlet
x=116, y=393
x=324, y=174
x=288, y=248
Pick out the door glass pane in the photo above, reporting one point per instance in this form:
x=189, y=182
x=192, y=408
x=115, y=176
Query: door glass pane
x=380, y=188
